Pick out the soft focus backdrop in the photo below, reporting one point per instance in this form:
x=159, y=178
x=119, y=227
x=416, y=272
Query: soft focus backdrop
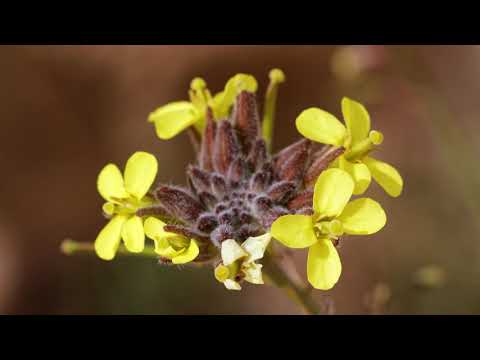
x=68, y=110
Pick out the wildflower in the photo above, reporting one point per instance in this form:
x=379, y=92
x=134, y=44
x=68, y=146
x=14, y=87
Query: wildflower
x=321, y=126
x=332, y=216
x=238, y=194
x=124, y=196
x=236, y=189
x=177, y=248
x=238, y=261
x=173, y=118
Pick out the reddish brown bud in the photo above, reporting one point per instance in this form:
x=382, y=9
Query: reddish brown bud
x=154, y=210
x=221, y=233
x=320, y=163
x=236, y=171
x=226, y=147
x=208, y=142
x=245, y=118
x=199, y=179
x=280, y=158
x=219, y=186
x=207, y=199
x=293, y=166
x=301, y=200
x=207, y=222
x=258, y=155
x=179, y=203
x=281, y=191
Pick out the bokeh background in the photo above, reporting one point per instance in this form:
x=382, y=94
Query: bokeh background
x=68, y=110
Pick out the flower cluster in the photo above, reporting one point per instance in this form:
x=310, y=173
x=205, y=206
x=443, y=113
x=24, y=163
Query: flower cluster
x=239, y=196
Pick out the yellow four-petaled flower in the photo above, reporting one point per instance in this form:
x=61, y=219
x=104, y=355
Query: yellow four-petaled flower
x=333, y=216
x=175, y=117
x=125, y=195
x=318, y=125
x=179, y=249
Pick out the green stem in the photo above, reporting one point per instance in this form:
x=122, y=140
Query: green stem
x=276, y=78
x=280, y=271
x=71, y=247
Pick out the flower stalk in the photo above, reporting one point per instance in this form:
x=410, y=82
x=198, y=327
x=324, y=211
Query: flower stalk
x=280, y=271
x=72, y=247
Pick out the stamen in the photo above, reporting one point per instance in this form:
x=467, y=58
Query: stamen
x=376, y=137
x=108, y=208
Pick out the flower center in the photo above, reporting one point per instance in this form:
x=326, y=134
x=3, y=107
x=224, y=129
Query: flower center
x=362, y=148
x=128, y=206
x=332, y=229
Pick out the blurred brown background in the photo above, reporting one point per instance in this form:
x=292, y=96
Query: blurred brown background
x=68, y=110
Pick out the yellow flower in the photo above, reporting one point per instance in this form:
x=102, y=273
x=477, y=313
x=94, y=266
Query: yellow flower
x=177, y=248
x=175, y=117
x=124, y=196
x=238, y=261
x=333, y=216
x=321, y=126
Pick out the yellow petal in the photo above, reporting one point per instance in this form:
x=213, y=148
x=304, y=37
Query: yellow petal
x=323, y=265
x=133, y=235
x=231, y=252
x=294, y=231
x=333, y=189
x=162, y=246
x=357, y=119
x=385, y=175
x=188, y=255
x=169, y=252
x=238, y=83
x=173, y=118
x=110, y=183
x=363, y=217
x=256, y=246
x=232, y=285
x=154, y=228
x=140, y=173
x=360, y=174
x=222, y=273
x=321, y=126
x=253, y=273
x=108, y=239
